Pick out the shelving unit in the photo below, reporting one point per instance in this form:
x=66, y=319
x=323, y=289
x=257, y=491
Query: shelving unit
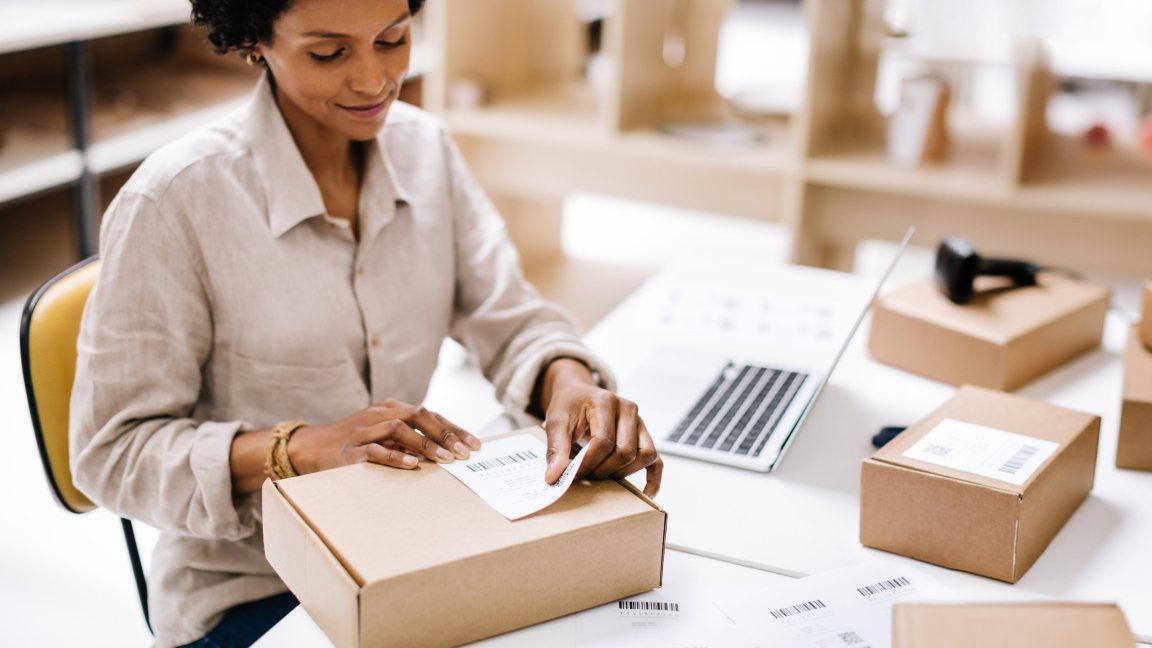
x=549, y=128
x=557, y=119
x=1021, y=191
x=578, y=102
x=78, y=104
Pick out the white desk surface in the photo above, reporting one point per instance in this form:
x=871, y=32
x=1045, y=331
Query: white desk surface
x=803, y=518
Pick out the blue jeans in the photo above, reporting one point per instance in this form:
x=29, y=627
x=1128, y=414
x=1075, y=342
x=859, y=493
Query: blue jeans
x=247, y=622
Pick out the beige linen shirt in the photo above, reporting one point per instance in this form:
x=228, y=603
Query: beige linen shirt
x=228, y=300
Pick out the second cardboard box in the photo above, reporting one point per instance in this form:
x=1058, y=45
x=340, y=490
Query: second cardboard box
x=982, y=484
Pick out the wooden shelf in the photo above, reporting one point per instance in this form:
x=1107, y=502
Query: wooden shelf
x=138, y=138
x=28, y=25
x=136, y=113
x=32, y=162
x=1115, y=182
x=972, y=172
x=562, y=112
x=36, y=150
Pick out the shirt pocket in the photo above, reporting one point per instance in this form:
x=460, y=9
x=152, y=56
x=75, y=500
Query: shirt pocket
x=265, y=392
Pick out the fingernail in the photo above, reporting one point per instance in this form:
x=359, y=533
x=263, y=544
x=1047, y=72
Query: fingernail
x=461, y=450
x=444, y=455
x=409, y=461
x=474, y=443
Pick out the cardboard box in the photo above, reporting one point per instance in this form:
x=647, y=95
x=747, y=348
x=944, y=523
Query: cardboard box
x=1146, y=318
x=1134, y=446
x=979, y=521
x=380, y=556
x=1009, y=625
x=1002, y=339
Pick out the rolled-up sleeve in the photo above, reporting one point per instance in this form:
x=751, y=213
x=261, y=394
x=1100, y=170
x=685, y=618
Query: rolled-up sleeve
x=499, y=317
x=145, y=337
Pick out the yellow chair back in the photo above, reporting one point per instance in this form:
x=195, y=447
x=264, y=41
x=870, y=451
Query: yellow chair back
x=48, y=333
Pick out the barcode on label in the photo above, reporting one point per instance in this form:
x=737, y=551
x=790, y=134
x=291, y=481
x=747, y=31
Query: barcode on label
x=648, y=606
x=799, y=608
x=883, y=586
x=850, y=638
x=496, y=462
x=938, y=450
x=1013, y=465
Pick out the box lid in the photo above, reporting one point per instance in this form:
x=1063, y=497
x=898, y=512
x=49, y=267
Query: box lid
x=451, y=521
x=1012, y=625
x=993, y=409
x=995, y=315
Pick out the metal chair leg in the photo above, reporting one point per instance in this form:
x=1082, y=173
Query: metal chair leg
x=137, y=568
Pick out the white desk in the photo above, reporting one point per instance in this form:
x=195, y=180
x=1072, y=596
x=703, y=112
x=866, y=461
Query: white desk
x=803, y=518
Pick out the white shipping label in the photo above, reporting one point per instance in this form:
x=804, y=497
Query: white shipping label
x=982, y=450
x=844, y=608
x=677, y=616
x=508, y=474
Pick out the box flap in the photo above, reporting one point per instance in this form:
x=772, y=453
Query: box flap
x=382, y=508
x=1009, y=625
x=994, y=409
x=996, y=315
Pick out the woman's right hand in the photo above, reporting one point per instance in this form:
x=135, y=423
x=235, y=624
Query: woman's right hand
x=389, y=433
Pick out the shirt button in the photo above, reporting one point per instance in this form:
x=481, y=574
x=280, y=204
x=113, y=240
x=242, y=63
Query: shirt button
x=375, y=341
x=360, y=271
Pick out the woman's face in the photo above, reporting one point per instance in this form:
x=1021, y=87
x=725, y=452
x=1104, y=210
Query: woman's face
x=340, y=63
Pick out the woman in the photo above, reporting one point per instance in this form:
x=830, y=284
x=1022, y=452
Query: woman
x=283, y=280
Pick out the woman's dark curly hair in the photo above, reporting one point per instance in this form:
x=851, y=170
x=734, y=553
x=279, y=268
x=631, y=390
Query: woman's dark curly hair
x=237, y=25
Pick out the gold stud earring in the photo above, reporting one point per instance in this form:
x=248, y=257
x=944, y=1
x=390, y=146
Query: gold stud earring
x=253, y=59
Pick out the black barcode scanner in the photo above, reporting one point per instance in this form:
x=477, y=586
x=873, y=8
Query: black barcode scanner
x=958, y=265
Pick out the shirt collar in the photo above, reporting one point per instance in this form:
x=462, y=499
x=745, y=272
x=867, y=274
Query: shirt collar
x=291, y=192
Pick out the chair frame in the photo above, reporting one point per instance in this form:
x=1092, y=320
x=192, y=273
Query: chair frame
x=34, y=412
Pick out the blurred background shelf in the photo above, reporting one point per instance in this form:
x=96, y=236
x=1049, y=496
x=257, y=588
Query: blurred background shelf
x=89, y=89
x=617, y=98
x=32, y=162
x=135, y=113
x=45, y=23
x=614, y=97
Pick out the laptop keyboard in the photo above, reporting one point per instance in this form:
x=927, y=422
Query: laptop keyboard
x=740, y=410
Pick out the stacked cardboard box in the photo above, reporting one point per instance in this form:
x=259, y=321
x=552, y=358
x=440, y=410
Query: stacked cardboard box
x=1004, y=338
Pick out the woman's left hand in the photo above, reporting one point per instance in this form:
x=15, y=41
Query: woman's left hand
x=576, y=408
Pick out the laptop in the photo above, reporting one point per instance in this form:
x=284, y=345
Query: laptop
x=727, y=405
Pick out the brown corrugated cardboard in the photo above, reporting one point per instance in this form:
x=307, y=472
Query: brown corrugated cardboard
x=1009, y=625
x=968, y=521
x=1002, y=339
x=1146, y=318
x=1134, y=447
x=380, y=556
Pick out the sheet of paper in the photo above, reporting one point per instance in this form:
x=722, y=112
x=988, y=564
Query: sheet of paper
x=982, y=450
x=508, y=474
x=845, y=608
x=669, y=617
